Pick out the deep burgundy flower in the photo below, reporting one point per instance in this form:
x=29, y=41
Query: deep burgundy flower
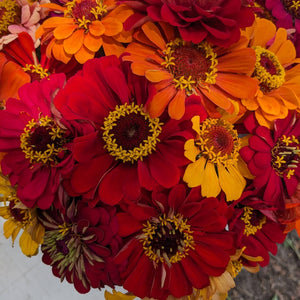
x=257, y=228
x=128, y=149
x=81, y=243
x=175, y=241
x=218, y=22
x=273, y=158
x=38, y=142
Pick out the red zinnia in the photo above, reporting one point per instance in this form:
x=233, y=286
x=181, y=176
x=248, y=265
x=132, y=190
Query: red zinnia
x=176, y=241
x=128, y=149
x=218, y=22
x=80, y=245
x=273, y=157
x=38, y=142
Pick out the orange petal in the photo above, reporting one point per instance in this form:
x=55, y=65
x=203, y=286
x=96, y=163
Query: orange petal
x=259, y=115
x=84, y=54
x=158, y=75
x=269, y=105
x=121, y=12
x=239, y=61
x=92, y=43
x=96, y=28
x=176, y=107
x=64, y=31
x=59, y=52
x=73, y=43
x=280, y=38
x=287, y=96
x=160, y=101
x=286, y=53
x=124, y=37
x=250, y=104
x=112, y=26
x=53, y=6
x=112, y=47
x=139, y=68
x=240, y=86
x=154, y=35
x=263, y=32
x=56, y=21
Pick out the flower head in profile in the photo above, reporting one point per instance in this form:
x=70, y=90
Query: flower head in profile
x=175, y=241
x=80, y=244
x=38, y=142
x=277, y=72
x=129, y=149
x=85, y=27
x=214, y=156
x=218, y=22
x=273, y=158
x=19, y=218
x=179, y=69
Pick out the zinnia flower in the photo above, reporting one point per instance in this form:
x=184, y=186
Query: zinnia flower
x=179, y=69
x=85, y=27
x=38, y=142
x=19, y=218
x=273, y=158
x=277, y=72
x=257, y=228
x=214, y=153
x=80, y=245
x=218, y=22
x=176, y=240
x=128, y=149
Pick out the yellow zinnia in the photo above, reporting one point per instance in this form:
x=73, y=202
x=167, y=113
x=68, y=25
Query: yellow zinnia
x=19, y=217
x=214, y=154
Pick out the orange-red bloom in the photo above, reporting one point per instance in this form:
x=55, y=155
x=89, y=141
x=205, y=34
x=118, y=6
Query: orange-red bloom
x=86, y=26
x=180, y=69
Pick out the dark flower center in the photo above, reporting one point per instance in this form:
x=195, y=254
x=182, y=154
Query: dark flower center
x=83, y=9
x=10, y=13
x=130, y=134
x=292, y=7
x=253, y=219
x=36, y=72
x=167, y=239
x=43, y=141
x=286, y=156
x=62, y=247
x=18, y=214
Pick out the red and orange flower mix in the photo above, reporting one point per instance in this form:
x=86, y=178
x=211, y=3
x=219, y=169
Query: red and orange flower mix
x=152, y=145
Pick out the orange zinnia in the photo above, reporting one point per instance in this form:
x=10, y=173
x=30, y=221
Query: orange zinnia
x=179, y=69
x=85, y=27
x=279, y=89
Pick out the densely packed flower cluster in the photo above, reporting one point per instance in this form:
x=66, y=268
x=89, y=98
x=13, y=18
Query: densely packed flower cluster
x=152, y=144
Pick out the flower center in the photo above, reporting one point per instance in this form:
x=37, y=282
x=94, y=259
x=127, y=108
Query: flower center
x=218, y=141
x=253, y=219
x=36, y=72
x=43, y=141
x=21, y=215
x=167, y=239
x=190, y=64
x=268, y=70
x=10, y=13
x=129, y=133
x=292, y=7
x=286, y=156
x=85, y=11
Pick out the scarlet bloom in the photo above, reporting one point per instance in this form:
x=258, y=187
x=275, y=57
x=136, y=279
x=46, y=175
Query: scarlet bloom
x=273, y=158
x=128, y=149
x=176, y=240
x=257, y=228
x=218, y=22
x=179, y=69
x=38, y=142
x=80, y=245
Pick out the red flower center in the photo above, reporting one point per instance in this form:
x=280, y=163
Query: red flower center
x=10, y=13
x=36, y=72
x=253, y=219
x=267, y=63
x=17, y=213
x=83, y=10
x=292, y=7
x=286, y=156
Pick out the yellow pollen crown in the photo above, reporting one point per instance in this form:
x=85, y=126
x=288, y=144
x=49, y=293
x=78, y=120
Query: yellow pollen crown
x=36, y=69
x=249, y=228
x=11, y=14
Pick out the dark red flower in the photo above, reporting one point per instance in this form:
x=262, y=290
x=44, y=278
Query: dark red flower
x=218, y=22
x=80, y=245
x=128, y=149
x=175, y=241
x=38, y=142
x=273, y=158
x=257, y=228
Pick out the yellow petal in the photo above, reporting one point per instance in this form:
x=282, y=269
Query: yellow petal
x=194, y=173
x=9, y=227
x=210, y=186
x=190, y=150
x=117, y=296
x=27, y=245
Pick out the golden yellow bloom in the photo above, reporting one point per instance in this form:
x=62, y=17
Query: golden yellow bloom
x=19, y=218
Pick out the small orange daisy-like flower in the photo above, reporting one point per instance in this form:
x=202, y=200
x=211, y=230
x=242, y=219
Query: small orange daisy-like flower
x=277, y=70
x=179, y=69
x=86, y=26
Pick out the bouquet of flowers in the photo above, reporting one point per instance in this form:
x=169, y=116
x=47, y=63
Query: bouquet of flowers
x=150, y=144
